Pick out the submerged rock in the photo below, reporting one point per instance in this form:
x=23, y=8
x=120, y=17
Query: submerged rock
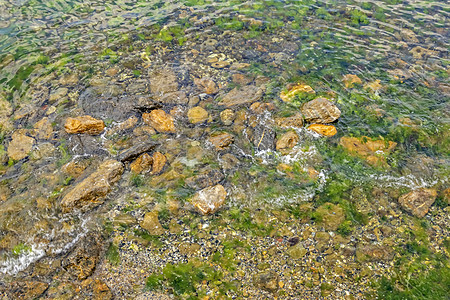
x=20, y=145
x=267, y=280
x=373, y=151
x=294, y=90
x=25, y=289
x=221, y=141
x=136, y=150
x=295, y=121
x=142, y=164
x=209, y=200
x=206, y=85
x=43, y=129
x=89, y=192
x=330, y=215
x=263, y=137
x=240, y=96
x=160, y=121
x=418, y=202
x=205, y=179
x=287, y=141
x=326, y=130
x=374, y=253
x=82, y=261
x=227, y=116
x=350, y=80
x=159, y=161
x=151, y=223
x=197, y=115
x=320, y=110
x=84, y=124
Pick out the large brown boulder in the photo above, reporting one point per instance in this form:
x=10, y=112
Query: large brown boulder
x=418, y=202
x=90, y=192
x=84, y=124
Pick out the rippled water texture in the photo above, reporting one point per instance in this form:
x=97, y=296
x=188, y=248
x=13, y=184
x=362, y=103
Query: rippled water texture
x=236, y=78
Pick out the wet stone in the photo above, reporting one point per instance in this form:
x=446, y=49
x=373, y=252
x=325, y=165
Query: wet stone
x=295, y=90
x=418, y=202
x=297, y=251
x=90, y=192
x=221, y=141
x=197, y=115
x=84, y=124
x=160, y=121
x=159, y=161
x=267, y=280
x=295, y=121
x=241, y=96
x=151, y=223
x=142, y=164
x=373, y=151
x=209, y=200
x=101, y=290
x=27, y=290
x=287, y=141
x=350, y=80
x=227, y=116
x=57, y=95
x=83, y=260
x=369, y=253
x=136, y=150
x=20, y=145
x=44, y=129
x=331, y=216
x=207, y=85
x=205, y=179
x=320, y=110
x=325, y=130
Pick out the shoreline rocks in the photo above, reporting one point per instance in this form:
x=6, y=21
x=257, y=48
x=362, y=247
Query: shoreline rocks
x=84, y=124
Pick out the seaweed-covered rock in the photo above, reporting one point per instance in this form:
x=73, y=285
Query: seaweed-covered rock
x=372, y=150
x=320, y=110
x=365, y=253
x=205, y=179
x=294, y=90
x=418, y=202
x=90, y=192
x=295, y=121
x=26, y=290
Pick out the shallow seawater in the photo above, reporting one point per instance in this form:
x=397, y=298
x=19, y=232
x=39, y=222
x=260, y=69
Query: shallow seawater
x=193, y=103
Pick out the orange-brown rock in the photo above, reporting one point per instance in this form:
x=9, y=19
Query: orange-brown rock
x=350, y=80
x=227, y=116
x=373, y=151
x=209, y=200
x=142, y=164
x=418, y=202
x=84, y=124
x=294, y=90
x=222, y=140
x=326, y=130
x=320, y=110
x=197, y=114
x=20, y=145
x=287, y=141
x=159, y=161
x=259, y=107
x=159, y=120
x=75, y=168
